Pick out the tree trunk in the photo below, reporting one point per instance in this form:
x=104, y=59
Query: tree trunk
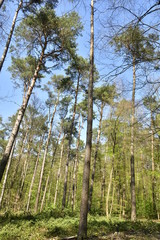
x=82, y=233
x=59, y=172
x=95, y=159
x=23, y=174
x=33, y=177
x=20, y=115
x=108, y=193
x=6, y=176
x=19, y=159
x=45, y=156
x=133, y=193
x=53, y=157
x=153, y=169
x=45, y=190
x=75, y=167
x=10, y=34
x=111, y=208
x=103, y=183
x=69, y=146
x=1, y=3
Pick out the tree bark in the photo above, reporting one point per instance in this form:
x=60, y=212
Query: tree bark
x=10, y=34
x=95, y=158
x=82, y=233
x=45, y=156
x=69, y=146
x=20, y=116
x=6, y=176
x=133, y=193
x=1, y=3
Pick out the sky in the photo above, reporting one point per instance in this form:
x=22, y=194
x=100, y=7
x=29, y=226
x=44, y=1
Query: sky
x=10, y=98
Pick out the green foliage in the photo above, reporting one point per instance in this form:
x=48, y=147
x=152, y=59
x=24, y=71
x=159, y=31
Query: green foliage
x=45, y=30
x=53, y=224
x=133, y=43
x=23, y=69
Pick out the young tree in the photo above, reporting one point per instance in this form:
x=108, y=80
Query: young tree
x=103, y=95
x=137, y=48
x=78, y=71
x=151, y=104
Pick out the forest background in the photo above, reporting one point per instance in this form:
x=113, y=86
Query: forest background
x=45, y=163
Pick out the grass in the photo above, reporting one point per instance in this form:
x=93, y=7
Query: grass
x=51, y=225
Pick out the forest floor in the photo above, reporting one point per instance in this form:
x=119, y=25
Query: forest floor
x=56, y=226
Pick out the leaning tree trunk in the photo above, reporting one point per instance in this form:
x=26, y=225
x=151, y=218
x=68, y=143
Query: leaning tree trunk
x=20, y=116
x=95, y=159
x=133, y=193
x=6, y=176
x=69, y=147
x=82, y=233
x=1, y=3
x=10, y=34
x=45, y=156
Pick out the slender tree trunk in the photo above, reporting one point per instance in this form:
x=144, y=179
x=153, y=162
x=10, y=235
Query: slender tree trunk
x=33, y=177
x=69, y=197
x=59, y=171
x=23, y=174
x=10, y=34
x=19, y=159
x=69, y=147
x=18, y=121
x=6, y=176
x=82, y=233
x=75, y=166
x=45, y=156
x=111, y=208
x=1, y=3
x=77, y=174
x=51, y=176
x=133, y=193
x=153, y=169
x=143, y=181
x=45, y=190
x=108, y=193
x=124, y=179
x=95, y=158
x=103, y=183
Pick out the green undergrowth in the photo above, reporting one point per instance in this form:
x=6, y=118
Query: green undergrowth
x=51, y=224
